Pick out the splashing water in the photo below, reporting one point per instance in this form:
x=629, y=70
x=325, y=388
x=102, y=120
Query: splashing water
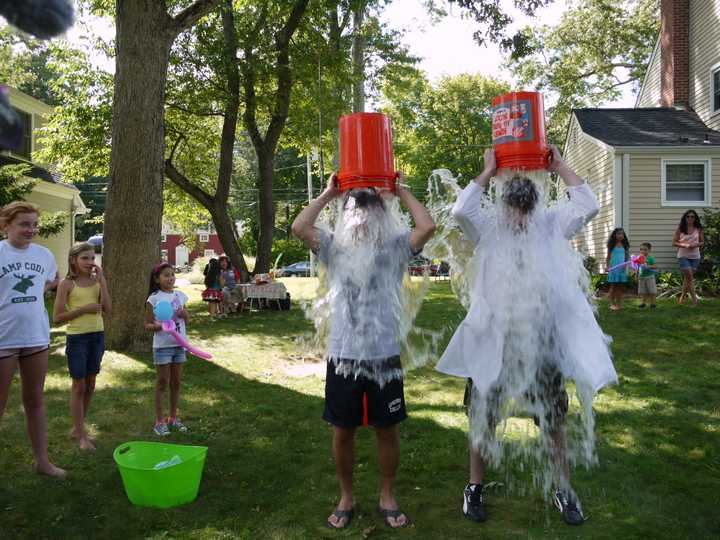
x=522, y=285
x=366, y=302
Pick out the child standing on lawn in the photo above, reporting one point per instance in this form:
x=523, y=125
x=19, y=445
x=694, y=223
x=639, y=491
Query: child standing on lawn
x=82, y=299
x=647, y=288
x=167, y=355
x=27, y=270
x=618, y=252
x=214, y=283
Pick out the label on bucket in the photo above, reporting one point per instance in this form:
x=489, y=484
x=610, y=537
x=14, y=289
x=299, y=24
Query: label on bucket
x=512, y=121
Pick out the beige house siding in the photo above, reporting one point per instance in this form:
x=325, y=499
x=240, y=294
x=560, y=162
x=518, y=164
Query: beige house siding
x=60, y=243
x=593, y=161
x=704, y=56
x=39, y=112
x=649, y=221
x=650, y=91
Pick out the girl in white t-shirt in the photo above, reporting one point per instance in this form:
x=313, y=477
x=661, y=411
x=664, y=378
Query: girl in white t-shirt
x=167, y=354
x=27, y=270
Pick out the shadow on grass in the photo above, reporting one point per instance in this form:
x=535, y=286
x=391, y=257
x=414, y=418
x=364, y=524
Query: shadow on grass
x=269, y=472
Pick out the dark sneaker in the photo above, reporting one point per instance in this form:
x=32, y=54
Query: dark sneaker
x=161, y=429
x=473, y=503
x=569, y=507
x=641, y=306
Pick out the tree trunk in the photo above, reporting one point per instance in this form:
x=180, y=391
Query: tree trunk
x=133, y=215
x=226, y=233
x=267, y=212
x=358, y=58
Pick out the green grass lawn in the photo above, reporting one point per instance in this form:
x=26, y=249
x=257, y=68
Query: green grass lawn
x=269, y=472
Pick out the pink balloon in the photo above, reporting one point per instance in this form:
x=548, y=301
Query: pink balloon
x=169, y=327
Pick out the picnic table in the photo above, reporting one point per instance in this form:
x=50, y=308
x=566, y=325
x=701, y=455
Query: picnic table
x=263, y=293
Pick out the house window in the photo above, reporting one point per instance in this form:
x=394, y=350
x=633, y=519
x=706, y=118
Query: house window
x=715, y=89
x=685, y=181
x=164, y=255
x=163, y=237
x=204, y=237
x=25, y=148
x=209, y=253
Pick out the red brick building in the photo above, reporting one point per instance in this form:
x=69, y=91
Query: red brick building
x=174, y=250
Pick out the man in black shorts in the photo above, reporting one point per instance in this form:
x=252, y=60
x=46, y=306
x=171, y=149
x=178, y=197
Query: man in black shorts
x=366, y=258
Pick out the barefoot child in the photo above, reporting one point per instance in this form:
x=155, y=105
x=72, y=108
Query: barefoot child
x=26, y=271
x=82, y=299
x=167, y=354
x=618, y=252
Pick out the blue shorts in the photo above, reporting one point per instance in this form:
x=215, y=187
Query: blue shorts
x=84, y=353
x=169, y=355
x=688, y=264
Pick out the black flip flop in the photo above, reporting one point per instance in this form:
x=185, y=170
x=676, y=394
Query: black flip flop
x=340, y=514
x=385, y=513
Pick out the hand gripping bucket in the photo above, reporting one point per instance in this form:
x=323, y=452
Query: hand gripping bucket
x=366, y=154
x=160, y=475
x=518, y=124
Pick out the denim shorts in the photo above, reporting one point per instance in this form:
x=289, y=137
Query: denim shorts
x=168, y=355
x=688, y=264
x=84, y=353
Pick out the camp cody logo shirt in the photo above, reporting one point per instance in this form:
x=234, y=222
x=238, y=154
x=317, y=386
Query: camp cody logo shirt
x=23, y=274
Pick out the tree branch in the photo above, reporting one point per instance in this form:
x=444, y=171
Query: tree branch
x=193, y=13
x=188, y=187
x=284, y=74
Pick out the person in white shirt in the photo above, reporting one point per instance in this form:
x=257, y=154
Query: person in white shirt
x=27, y=270
x=529, y=325
x=168, y=355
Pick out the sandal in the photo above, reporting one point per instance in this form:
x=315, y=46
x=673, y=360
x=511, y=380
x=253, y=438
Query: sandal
x=340, y=514
x=394, y=514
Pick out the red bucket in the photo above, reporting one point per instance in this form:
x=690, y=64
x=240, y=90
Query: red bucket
x=366, y=154
x=518, y=125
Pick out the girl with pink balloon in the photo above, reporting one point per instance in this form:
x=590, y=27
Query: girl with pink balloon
x=168, y=353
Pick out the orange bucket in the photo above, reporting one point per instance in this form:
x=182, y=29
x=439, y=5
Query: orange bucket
x=518, y=124
x=366, y=154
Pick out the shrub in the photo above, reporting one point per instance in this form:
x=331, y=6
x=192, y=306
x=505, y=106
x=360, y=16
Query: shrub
x=591, y=265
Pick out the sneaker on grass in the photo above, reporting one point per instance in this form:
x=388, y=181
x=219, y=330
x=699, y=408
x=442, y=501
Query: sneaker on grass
x=176, y=424
x=569, y=507
x=161, y=428
x=473, y=503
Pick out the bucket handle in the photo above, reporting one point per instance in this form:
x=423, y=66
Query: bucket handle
x=124, y=450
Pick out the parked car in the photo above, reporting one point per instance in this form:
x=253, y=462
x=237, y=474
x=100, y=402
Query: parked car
x=420, y=266
x=293, y=270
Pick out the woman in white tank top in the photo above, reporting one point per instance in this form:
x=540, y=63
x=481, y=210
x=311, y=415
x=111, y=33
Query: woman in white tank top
x=688, y=238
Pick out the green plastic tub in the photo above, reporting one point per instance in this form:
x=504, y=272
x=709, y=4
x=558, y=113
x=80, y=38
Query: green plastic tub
x=175, y=482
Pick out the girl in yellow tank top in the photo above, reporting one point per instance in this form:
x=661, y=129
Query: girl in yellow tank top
x=82, y=299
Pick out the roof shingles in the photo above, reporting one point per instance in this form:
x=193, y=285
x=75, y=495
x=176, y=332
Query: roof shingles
x=647, y=127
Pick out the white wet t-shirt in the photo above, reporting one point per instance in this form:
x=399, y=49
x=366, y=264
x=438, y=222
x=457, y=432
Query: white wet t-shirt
x=364, y=308
x=23, y=274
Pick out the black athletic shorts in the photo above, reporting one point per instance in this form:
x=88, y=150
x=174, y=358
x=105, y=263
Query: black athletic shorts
x=352, y=402
x=548, y=389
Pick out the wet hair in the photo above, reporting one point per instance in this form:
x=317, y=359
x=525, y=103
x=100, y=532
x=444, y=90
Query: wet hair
x=364, y=198
x=155, y=274
x=647, y=245
x=11, y=211
x=683, y=221
x=213, y=273
x=73, y=254
x=520, y=193
x=612, y=241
